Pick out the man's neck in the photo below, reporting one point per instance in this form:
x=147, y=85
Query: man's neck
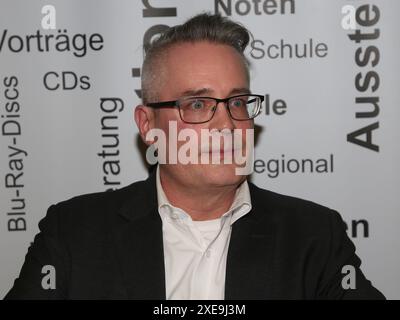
x=200, y=204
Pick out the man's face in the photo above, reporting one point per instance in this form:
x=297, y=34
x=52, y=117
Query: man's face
x=202, y=69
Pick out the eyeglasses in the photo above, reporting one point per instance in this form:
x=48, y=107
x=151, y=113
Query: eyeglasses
x=202, y=109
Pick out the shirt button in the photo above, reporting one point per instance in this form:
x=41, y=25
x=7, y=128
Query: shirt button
x=175, y=216
x=208, y=253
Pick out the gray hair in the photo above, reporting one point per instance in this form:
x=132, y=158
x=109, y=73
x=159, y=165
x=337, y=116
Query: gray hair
x=202, y=27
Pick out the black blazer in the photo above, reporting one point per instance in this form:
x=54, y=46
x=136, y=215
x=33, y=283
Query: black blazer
x=109, y=246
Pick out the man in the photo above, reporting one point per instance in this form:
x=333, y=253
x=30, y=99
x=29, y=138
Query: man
x=194, y=230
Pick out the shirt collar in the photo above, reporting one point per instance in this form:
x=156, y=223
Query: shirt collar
x=240, y=206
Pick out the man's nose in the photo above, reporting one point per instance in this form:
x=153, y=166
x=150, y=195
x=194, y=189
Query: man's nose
x=222, y=119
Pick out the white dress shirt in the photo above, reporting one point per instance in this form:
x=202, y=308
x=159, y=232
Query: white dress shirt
x=195, y=252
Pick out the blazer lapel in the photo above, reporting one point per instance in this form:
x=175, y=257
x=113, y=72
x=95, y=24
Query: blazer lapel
x=139, y=244
x=250, y=254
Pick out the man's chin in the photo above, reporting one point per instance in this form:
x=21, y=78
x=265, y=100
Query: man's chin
x=221, y=174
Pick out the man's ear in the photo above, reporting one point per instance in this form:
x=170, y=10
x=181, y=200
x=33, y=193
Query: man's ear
x=144, y=118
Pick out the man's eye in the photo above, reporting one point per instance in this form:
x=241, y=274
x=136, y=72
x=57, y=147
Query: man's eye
x=197, y=105
x=238, y=103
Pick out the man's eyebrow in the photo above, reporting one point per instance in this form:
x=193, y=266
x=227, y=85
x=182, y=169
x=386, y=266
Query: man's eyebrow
x=196, y=92
x=239, y=91
x=209, y=91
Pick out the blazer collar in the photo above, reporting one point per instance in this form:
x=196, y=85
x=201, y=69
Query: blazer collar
x=141, y=199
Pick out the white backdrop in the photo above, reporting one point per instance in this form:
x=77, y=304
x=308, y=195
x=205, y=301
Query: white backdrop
x=51, y=107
